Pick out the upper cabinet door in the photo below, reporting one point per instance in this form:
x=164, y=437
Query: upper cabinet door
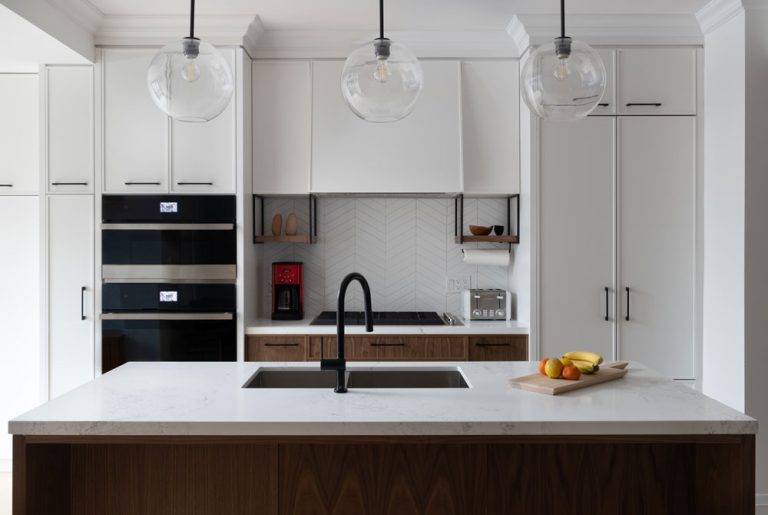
x=19, y=134
x=418, y=154
x=135, y=130
x=69, y=131
x=203, y=155
x=607, y=104
x=490, y=126
x=282, y=127
x=657, y=81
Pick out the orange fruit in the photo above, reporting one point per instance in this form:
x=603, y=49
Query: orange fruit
x=571, y=372
x=542, y=364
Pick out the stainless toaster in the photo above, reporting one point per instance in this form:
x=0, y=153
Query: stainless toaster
x=487, y=305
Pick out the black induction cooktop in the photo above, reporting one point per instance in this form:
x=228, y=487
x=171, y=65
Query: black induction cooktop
x=381, y=318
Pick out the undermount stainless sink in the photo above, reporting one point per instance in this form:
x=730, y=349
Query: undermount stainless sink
x=390, y=377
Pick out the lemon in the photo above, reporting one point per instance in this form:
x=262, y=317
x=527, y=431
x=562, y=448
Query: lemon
x=553, y=368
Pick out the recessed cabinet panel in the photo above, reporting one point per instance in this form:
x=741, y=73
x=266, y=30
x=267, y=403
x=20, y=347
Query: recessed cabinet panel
x=70, y=129
x=135, y=130
x=203, y=154
x=657, y=186
x=420, y=153
x=490, y=123
x=71, y=288
x=19, y=134
x=607, y=104
x=282, y=127
x=577, y=175
x=657, y=81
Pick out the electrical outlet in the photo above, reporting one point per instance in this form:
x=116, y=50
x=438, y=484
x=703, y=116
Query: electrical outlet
x=457, y=284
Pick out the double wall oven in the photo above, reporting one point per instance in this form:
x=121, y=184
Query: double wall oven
x=169, y=265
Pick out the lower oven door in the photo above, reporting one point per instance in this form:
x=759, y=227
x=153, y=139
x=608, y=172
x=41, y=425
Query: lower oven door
x=167, y=337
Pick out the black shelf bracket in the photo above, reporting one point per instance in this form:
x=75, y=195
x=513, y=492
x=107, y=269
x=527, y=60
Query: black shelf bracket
x=458, y=225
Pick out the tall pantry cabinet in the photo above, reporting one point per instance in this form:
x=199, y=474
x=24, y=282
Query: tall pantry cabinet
x=617, y=220
x=20, y=353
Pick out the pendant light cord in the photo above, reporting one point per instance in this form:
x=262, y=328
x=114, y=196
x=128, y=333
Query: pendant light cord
x=562, y=18
x=381, y=19
x=192, y=20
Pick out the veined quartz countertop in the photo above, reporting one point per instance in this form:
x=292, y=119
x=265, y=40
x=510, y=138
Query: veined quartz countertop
x=208, y=399
x=271, y=327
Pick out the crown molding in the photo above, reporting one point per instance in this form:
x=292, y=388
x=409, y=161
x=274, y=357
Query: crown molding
x=82, y=12
x=310, y=44
x=518, y=33
x=717, y=13
x=615, y=29
x=158, y=30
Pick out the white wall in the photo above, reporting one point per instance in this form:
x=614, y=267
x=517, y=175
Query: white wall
x=723, y=313
x=756, y=242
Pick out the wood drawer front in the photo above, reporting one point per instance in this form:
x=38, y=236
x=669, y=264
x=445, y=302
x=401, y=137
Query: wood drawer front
x=446, y=348
x=498, y=348
x=276, y=348
x=329, y=347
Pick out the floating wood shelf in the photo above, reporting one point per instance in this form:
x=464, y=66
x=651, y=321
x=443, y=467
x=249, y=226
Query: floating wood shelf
x=470, y=238
x=299, y=238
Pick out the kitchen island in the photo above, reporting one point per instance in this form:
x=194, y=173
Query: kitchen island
x=171, y=438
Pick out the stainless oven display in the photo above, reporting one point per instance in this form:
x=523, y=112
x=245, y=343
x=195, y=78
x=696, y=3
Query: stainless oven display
x=169, y=207
x=169, y=296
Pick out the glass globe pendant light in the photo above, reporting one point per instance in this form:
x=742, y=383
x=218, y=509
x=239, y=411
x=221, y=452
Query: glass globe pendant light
x=565, y=81
x=190, y=80
x=382, y=80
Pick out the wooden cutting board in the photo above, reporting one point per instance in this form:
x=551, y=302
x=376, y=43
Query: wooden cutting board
x=543, y=384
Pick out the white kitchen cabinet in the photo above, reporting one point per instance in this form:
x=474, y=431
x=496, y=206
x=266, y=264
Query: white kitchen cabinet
x=69, y=129
x=418, y=154
x=135, y=130
x=70, y=291
x=657, y=186
x=490, y=127
x=20, y=360
x=19, y=134
x=607, y=104
x=657, y=81
x=282, y=127
x=203, y=155
x=578, y=162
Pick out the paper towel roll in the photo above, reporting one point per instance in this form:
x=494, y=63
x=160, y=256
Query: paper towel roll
x=486, y=257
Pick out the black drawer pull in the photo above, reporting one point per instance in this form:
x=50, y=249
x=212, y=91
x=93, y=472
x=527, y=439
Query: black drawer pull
x=488, y=344
x=644, y=104
x=606, y=304
x=269, y=344
x=603, y=105
x=195, y=183
x=82, y=302
x=374, y=344
x=69, y=184
x=6, y=185
x=627, y=316
x=132, y=183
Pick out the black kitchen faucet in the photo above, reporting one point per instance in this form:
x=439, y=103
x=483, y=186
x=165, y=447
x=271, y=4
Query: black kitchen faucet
x=339, y=364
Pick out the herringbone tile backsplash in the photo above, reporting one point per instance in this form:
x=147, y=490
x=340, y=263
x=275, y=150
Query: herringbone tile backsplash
x=403, y=246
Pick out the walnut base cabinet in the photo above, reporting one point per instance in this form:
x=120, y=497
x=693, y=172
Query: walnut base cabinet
x=382, y=475
x=389, y=348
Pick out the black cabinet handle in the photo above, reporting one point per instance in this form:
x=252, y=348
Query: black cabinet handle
x=603, y=105
x=82, y=303
x=6, y=185
x=69, y=184
x=374, y=344
x=195, y=183
x=268, y=344
x=644, y=104
x=606, y=304
x=627, y=316
x=131, y=183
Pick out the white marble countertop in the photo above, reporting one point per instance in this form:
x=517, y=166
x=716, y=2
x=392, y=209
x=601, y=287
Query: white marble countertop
x=272, y=327
x=208, y=399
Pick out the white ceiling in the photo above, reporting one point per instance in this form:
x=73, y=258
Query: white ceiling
x=400, y=14
x=23, y=46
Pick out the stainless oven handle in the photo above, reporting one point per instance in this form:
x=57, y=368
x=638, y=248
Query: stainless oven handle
x=166, y=227
x=167, y=316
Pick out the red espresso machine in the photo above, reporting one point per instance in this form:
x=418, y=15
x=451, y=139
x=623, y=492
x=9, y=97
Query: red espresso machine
x=287, y=290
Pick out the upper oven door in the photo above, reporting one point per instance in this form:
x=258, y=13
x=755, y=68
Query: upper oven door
x=168, y=238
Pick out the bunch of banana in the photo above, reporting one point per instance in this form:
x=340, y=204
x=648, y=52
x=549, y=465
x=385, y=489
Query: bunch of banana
x=587, y=362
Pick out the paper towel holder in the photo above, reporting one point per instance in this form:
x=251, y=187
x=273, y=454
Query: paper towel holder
x=510, y=238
